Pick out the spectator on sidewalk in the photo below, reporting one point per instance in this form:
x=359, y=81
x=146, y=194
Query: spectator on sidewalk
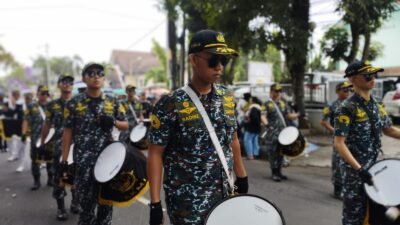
x=342, y=92
x=253, y=121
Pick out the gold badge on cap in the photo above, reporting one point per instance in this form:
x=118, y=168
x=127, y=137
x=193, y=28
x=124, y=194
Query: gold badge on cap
x=220, y=38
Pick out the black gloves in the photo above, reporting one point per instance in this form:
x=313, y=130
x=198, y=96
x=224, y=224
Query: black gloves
x=156, y=214
x=63, y=168
x=23, y=138
x=366, y=177
x=241, y=185
x=106, y=122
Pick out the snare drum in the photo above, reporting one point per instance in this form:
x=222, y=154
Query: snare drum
x=291, y=142
x=245, y=209
x=121, y=173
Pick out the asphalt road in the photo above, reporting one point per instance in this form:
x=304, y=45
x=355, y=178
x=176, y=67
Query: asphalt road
x=305, y=199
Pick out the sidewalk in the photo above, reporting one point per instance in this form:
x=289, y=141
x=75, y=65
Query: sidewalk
x=321, y=157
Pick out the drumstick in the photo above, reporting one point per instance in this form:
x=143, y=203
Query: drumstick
x=392, y=212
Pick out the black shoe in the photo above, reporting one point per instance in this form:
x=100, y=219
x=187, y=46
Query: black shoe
x=276, y=178
x=283, y=177
x=62, y=214
x=35, y=186
x=75, y=208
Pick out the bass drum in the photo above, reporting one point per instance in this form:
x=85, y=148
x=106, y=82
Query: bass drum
x=245, y=209
x=291, y=142
x=121, y=173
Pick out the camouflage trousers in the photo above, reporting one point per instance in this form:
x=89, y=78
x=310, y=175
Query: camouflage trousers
x=354, y=197
x=336, y=171
x=87, y=192
x=274, y=155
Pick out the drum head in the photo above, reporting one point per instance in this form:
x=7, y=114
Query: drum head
x=385, y=175
x=288, y=135
x=109, y=162
x=138, y=133
x=245, y=209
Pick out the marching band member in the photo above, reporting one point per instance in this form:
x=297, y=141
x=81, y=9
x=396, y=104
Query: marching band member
x=277, y=114
x=194, y=180
x=343, y=92
x=54, y=118
x=133, y=110
x=89, y=118
x=359, y=123
x=34, y=117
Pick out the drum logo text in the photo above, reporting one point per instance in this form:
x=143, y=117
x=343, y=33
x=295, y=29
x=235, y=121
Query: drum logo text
x=381, y=170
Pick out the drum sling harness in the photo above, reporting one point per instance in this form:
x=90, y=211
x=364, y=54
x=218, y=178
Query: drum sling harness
x=193, y=96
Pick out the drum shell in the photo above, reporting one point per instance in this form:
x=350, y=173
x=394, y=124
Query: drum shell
x=143, y=144
x=128, y=184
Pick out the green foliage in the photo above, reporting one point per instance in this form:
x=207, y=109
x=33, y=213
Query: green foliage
x=6, y=58
x=158, y=74
x=375, y=50
x=335, y=43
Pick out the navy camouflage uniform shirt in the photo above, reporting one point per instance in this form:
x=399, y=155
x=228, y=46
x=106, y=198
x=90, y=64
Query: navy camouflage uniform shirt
x=35, y=120
x=137, y=107
x=82, y=115
x=352, y=122
x=55, y=117
x=328, y=113
x=194, y=179
x=275, y=124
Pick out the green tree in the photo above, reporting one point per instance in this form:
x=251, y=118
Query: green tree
x=6, y=58
x=158, y=74
x=363, y=18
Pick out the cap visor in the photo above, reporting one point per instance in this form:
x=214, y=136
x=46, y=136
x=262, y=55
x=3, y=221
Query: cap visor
x=222, y=51
x=372, y=70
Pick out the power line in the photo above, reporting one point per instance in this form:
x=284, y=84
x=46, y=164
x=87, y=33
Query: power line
x=146, y=34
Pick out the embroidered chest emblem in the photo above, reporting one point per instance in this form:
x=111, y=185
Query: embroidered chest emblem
x=108, y=107
x=186, y=108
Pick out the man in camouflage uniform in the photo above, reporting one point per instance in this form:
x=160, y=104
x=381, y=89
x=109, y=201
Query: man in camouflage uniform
x=194, y=179
x=88, y=122
x=34, y=117
x=357, y=141
x=133, y=110
x=54, y=118
x=147, y=107
x=275, y=124
x=342, y=91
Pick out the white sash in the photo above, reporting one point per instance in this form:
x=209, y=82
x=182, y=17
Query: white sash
x=133, y=112
x=193, y=96
x=42, y=114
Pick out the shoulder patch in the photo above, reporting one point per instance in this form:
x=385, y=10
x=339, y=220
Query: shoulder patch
x=344, y=119
x=155, y=122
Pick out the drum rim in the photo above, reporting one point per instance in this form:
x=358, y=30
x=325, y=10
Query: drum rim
x=365, y=185
x=289, y=127
x=240, y=195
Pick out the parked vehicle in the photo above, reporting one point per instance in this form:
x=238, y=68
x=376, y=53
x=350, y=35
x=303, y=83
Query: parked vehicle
x=392, y=103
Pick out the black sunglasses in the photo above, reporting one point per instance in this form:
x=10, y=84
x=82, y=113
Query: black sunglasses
x=369, y=77
x=214, y=60
x=67, y=82
x=93, y=73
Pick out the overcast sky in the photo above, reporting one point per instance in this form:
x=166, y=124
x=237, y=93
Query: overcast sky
x=92, y=28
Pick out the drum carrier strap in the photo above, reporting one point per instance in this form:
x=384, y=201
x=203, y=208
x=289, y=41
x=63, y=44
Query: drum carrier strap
x=279, y=113
x=193, y=96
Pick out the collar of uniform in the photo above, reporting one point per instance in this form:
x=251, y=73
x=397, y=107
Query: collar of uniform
x=88, y=98
x=356, y=95
x=212, y=92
